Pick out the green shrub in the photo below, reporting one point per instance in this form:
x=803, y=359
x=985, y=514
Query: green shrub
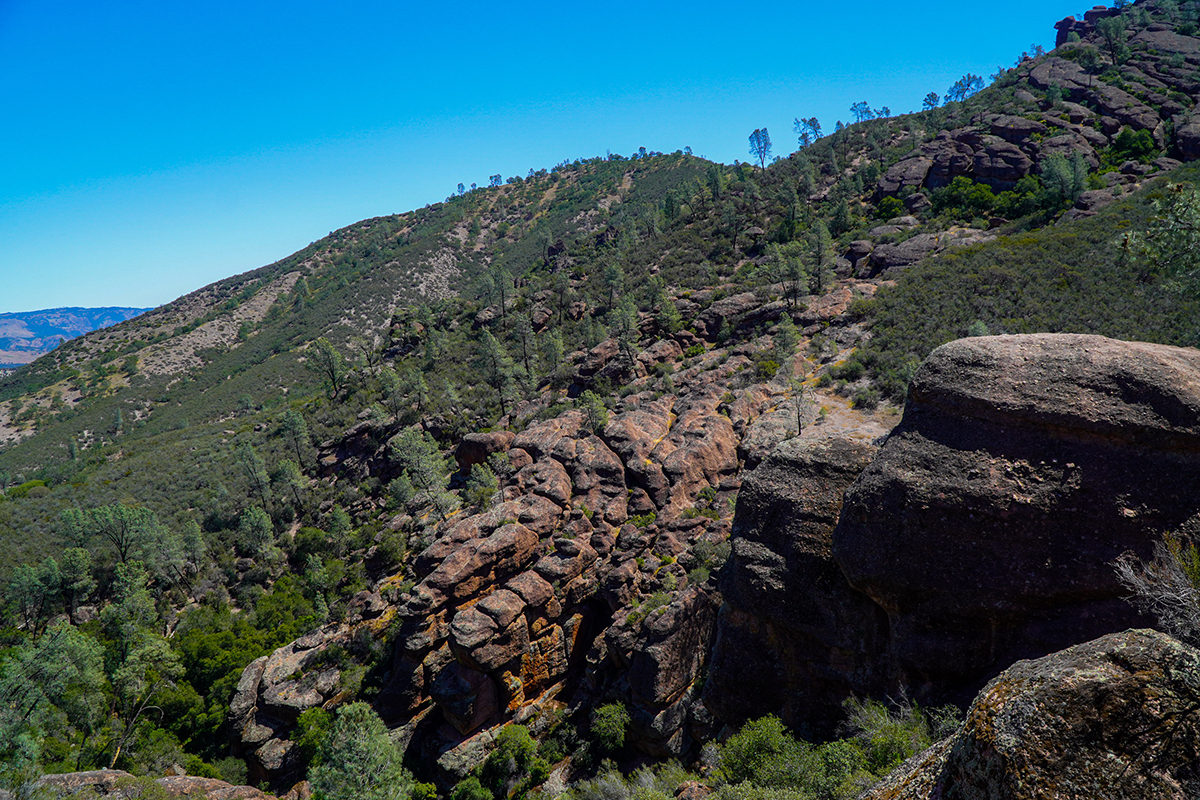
x=889, y=207
x=608, y=726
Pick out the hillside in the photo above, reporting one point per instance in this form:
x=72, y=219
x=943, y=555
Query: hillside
x=481, y=462
x=24, y=336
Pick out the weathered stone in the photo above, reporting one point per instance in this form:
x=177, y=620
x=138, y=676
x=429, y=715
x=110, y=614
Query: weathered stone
x=889, y=256
x=1115, y=718
x=632, y=436
x=547, y=478
x=245, y=697
x=480, y=563
x=117, y=784
x=1001, y=164
x=1187, y=140
x=503, y=606
x=276, y=755
x=911, y=171
x=951, y=158
x=476, y=447
x=1023, y=467
x=674, y=648
x=468, y=698
x=1066, y=145
x=793, y=639
x=1014, y=129
x=708, y=322
x=569, y=559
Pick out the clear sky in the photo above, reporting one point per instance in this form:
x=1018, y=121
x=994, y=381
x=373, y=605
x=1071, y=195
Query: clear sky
x=148, y=148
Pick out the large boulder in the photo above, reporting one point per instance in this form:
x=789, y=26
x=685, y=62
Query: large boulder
x=986, y=526
x=117, y=784
x=1115, y=718
x=793, y=638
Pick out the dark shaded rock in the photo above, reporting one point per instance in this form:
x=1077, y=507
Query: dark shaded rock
x=476, y=447
x=674, y=648
x=793, y=638
x=1024, y=465
x=1066, y=145
x=910, y=171
x=1001, y=164
x=468, y=698
x=1115, y=718
x=916, y=203
x=708, y=322
x=1014, y=129
x=951, y=158
x=1187, y=140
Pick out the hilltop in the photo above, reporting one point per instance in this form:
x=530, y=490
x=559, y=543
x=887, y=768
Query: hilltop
x=482, y=463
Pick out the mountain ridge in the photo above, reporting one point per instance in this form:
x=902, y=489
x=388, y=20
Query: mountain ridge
x=605, y=349
x=27, y=335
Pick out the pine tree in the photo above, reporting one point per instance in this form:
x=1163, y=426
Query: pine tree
x=426, y=469
x=357, y=760
x=495, y=368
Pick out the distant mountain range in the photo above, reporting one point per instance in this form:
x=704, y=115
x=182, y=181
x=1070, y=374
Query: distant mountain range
x=28, y=334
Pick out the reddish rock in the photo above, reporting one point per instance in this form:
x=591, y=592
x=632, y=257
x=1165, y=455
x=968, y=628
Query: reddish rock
x=533, y=590
x=503, y=606
x=480, y=563
x=546, y=477
x=118, y=785
x=569, y=559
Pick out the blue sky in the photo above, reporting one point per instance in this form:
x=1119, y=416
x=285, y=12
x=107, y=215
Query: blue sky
x=149, y=148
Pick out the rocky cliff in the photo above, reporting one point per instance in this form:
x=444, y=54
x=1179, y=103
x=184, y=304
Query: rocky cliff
x=589, y=580
x=982, y=532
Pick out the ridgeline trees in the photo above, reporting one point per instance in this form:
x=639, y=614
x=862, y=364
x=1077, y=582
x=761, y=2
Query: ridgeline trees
x=808, y=130
x=964, y=87
x=760, y=146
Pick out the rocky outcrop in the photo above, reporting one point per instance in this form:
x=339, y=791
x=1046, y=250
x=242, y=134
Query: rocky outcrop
x=1115, y=718
x=275, y=689
x=1024, y=465
x=982, y=531
x=116, y=784
x=793, y=637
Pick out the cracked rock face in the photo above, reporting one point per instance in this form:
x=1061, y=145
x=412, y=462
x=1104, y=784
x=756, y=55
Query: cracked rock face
x=986, y=526
x=793, y=638
x=1118, y=717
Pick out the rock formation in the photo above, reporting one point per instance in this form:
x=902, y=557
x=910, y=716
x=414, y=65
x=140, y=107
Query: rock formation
x=1024, y=465
x=982, y=532
x=116, y=784
x=793, y=635
x=1115, y=718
